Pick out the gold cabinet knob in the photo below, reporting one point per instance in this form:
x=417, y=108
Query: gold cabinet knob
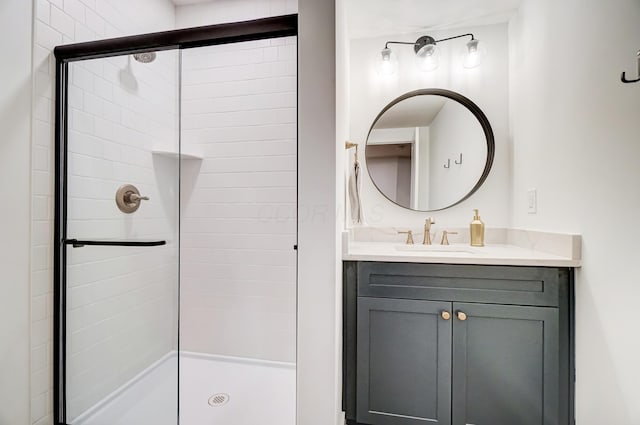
x=445, y=315
x=462, y=316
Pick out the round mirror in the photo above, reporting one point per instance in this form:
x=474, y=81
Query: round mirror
x=429, y=149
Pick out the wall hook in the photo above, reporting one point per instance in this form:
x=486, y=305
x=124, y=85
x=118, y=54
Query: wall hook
x=448, y=164
x=456, y=161
x=624, y=74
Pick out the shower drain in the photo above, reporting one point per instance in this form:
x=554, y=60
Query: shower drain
x=218, y=400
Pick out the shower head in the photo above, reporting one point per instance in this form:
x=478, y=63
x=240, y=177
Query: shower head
x=146, y=57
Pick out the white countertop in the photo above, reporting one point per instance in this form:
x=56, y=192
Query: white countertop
x=517, y=248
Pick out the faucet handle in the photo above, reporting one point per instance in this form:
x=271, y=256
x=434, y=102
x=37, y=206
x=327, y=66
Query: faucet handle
x=409, y=234
x=445, y=239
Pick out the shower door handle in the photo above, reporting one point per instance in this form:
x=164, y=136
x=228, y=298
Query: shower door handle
x=76, y=243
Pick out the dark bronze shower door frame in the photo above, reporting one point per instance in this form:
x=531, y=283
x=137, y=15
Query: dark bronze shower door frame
x=274, y=27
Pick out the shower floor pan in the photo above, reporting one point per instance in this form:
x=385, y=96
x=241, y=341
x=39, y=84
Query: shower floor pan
x=214, y=390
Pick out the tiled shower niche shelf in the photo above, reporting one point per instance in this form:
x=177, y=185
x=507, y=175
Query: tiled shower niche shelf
x=177, y=155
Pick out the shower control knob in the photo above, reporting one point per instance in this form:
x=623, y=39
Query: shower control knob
x=134, y=197
x=128, y=198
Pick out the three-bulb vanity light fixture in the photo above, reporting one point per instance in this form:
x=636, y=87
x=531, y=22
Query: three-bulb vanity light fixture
x=428, y=53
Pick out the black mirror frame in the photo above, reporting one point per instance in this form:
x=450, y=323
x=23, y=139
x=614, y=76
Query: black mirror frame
x=473, y=108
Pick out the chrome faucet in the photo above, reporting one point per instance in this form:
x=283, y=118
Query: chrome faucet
x=427, y=230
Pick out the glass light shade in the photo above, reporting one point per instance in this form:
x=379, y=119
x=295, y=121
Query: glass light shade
x=388, y=63
x=428, y=58
x=474, y=53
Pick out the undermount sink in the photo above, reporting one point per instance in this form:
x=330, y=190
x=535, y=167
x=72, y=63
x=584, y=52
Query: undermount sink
x=452, y=249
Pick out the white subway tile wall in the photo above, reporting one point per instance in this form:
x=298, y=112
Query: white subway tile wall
x=66, y=21
x=238, y=265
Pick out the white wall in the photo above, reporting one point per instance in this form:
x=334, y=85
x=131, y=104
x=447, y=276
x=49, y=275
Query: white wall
x=386, y=172
x=575, y=134
x=423, y=151
x=220, y=11
x=343, y=160
x=318, y=376
x=57, y=22
x=15, y=122
x=403, y=186
x=486, y=85
x=238, y=265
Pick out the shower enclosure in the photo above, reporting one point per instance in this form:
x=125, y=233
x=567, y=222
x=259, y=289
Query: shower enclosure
x=176, y=227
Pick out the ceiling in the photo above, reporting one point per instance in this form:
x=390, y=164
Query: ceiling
x=372, y=18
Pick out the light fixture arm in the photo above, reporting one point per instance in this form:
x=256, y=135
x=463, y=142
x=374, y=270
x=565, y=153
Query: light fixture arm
x=457, y=36
x=424, y=40
x=386, y=45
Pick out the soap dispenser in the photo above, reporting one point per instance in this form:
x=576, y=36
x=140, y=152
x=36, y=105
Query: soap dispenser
x=477, y=230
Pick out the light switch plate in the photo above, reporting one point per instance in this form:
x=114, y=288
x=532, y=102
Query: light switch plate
x=532, y=201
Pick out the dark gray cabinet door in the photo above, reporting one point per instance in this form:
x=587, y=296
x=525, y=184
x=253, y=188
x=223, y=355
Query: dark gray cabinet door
x=505, y=365
x=403, y=362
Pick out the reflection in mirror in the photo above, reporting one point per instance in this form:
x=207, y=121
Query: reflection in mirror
x=429, y=150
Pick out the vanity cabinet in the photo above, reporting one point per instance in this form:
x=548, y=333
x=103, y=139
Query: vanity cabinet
x=457, y=344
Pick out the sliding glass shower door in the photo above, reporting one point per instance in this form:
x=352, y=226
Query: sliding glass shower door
x=122, y=240
x=176, y=228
